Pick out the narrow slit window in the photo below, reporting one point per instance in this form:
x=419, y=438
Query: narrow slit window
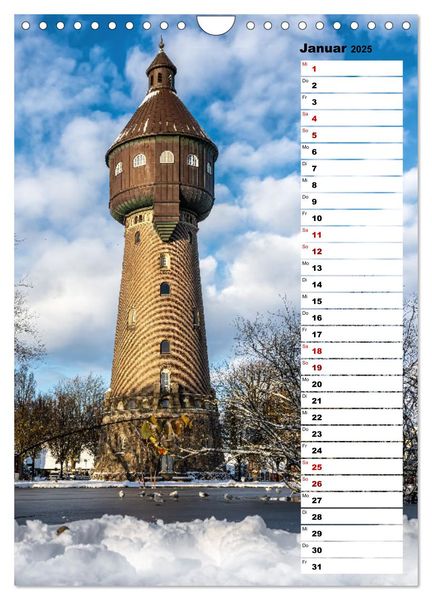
x=165, y=289
x=137, y=237
x=165, y=262
x=131, y=318
x=165, y=347
x=209, y=168
x=165, y=380
x=159, y=77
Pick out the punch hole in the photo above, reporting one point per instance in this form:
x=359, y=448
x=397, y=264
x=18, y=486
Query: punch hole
x=319, y=25
x=129, y=25
x=216, y=24
x=164, y=25
x=146, y=25
x=250, y=25
x=181, y=25
x=267, y=25
x=25, y=25
x=42, y=25
x=388, y=25
x=406, y=25
x=337, y=25
x=285, y=25
x=112, y=25
x=354, y=25
x=95, y=25
x=77, y=25
x=302, y=25
x=60, y=25
x=371, y=25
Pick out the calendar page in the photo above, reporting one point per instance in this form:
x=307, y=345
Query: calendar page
x=216, y=300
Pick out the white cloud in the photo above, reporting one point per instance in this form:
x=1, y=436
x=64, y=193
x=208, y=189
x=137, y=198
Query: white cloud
x=410, y=185
x=241, y=156
x=260, y=268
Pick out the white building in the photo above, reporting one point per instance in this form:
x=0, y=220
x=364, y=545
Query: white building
x=46, y=461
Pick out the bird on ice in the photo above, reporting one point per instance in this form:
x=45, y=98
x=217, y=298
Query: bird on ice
x=228, y=497
x=203, y=494
x=121, y=494
x=158, y=498
x=174, y=495
x=265, y=498
x=142, y=494
x=277, y=490
x=268, y=489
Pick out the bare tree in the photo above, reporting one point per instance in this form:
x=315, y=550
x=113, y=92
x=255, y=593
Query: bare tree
x=77, y=413
x=410, y=398
x=259, y=394
x=32, y=417
x=27, y=344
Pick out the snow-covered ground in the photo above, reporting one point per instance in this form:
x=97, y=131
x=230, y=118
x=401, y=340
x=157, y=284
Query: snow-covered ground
x=94, y=483
x=125, y=551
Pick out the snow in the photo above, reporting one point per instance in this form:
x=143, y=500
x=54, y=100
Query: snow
x=125, y=551
x=95, y=483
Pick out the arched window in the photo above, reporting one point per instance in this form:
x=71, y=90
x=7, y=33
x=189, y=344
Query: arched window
x=166, y=157
x=165, y=380
x=209, y=168
x=118, y=169
x=159, y=77
x=196, y=317
x=165, y=260
x=190, y=237
x=140, y=218
x=136, y=219
x=139, y=160
x=131, y=318
x=137, y=237
x=192, y=160
x=164, y=347
x=151, y=79
x=164, y=288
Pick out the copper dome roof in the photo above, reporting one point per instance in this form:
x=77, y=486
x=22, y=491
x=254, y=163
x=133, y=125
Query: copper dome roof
x=161, y=112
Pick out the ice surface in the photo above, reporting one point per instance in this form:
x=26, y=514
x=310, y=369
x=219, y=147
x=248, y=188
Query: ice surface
x=125, y=551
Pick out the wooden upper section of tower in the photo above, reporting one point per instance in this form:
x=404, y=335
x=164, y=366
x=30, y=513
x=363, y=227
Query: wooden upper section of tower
x=162, y=158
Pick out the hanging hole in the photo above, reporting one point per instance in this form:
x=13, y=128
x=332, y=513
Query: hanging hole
x=25, y=25
x=95, y=25
x=164, y=25
x=77, y=25
x=302, y=25
x=129, y=25
x=181, y=25
x=216, y=24
x=146, y=25
x=112, y=25
x=285, y=25
x=337, y=25
x=42, y=25
x=267, y=25
x=60, y=25
x=388, y=25
x=354, y=25
x=319, y=25
x=371, y=25
x=406, y=25
x=250, y=25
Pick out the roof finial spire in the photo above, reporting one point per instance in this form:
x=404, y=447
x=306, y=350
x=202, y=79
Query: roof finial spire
x=161, y=44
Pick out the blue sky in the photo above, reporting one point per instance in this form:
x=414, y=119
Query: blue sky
x=74, y=92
